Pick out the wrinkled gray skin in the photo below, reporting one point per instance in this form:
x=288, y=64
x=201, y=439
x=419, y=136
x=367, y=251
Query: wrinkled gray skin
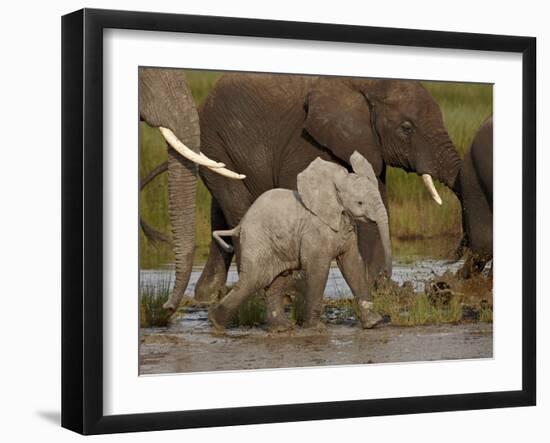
x=270, y=127
x=165, y=100
x=305, y=230
x=476, y=195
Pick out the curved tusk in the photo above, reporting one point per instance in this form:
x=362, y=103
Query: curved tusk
x=219, y=164
x=198, y=158
x=188, y=153
x=431, y=188
x=227, y=173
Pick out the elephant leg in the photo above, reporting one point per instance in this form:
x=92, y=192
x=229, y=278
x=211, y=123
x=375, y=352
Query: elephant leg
x=477, y=219
x=214, y=275
x=230, y=201
x=479, y=263
x=473, y=265
x=353, y=270
x=316, y=274
x=275, y=294
x=221, y=314
x=371, y=247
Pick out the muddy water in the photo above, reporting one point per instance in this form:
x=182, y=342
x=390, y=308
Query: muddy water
x=190, y=345
x=336, y=288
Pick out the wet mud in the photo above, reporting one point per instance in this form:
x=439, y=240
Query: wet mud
x=190, y=345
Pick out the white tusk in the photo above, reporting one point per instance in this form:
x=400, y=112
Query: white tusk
x=219, y=164
x=198, y=158
x=227, y=173
x=431, y=188
x=188, y=153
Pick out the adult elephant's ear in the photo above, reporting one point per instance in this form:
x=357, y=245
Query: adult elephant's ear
x=339, y=119
x=317, y=187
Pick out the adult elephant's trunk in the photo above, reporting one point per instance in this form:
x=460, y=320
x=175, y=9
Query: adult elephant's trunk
x=439, y=161
x=448, y=164
x=182, y=186
x=384, y=231
x=165, y=101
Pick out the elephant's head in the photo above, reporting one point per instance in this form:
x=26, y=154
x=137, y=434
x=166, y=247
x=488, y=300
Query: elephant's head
x=165, y=101
x=393, y=122
x=329, y=191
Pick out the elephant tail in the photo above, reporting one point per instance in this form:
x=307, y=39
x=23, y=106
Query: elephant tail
x=150, y=233
x=153, y=235
x=226, y=233
x=163, y=167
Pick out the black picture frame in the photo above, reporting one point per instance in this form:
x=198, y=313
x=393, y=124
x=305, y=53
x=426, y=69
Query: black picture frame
x=82, y=219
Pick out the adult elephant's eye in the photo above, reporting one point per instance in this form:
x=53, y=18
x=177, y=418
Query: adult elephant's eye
x=406, y=128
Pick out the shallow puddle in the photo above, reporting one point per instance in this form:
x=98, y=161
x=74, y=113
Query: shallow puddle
x=336, y=288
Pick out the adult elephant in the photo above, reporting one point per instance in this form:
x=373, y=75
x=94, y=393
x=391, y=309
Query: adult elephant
x=165, y=101
x=476, y=195
x=270, y=127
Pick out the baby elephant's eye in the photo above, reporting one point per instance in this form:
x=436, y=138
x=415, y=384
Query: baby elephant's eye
x=360, y=203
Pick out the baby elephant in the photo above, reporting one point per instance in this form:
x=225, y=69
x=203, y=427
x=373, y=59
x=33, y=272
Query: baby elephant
x=305, y=230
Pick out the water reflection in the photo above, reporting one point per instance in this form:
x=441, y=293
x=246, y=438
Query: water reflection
x=416, y=273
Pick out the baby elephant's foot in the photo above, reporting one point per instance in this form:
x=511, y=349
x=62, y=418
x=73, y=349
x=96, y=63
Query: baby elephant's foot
x=277, y=322
x=219, y=317
x=371, y=320
x=369, y=317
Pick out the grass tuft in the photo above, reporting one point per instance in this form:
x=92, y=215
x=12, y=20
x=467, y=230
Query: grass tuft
x=152, y=297
x=252, y=312
x=444, y=301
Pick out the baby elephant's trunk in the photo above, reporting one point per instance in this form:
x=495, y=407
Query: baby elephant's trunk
x=226, y=233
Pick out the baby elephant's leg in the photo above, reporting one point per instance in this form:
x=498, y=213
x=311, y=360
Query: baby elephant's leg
x=354, y=271
x=221, y=314
x=316, y=273
x=275, y=294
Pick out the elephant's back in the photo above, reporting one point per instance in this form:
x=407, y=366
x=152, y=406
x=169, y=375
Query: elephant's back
x=246, y=122
x=272, y=226
x=278, y=209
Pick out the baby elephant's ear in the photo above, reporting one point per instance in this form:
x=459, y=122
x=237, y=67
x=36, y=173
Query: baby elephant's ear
x=317, y=189
x=363, y=167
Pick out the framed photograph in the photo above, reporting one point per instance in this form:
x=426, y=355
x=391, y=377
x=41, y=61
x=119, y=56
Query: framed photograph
x=269, y=221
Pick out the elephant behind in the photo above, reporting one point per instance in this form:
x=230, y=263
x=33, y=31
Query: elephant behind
x=165, y=101
x=270, y=127
x=476, y=195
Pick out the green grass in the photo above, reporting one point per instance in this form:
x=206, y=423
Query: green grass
x=252, y=312
x=298, y=307
x=152, y=314
x=446, y=299
x=414, y=217
x=406, y=308
x=486, y=314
